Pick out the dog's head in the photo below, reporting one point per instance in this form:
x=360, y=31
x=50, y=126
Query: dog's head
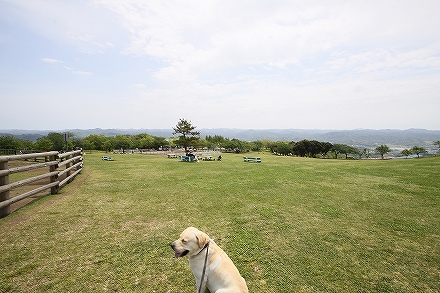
x=190, y=242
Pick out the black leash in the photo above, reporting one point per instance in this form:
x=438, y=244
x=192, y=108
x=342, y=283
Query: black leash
x=204, y=267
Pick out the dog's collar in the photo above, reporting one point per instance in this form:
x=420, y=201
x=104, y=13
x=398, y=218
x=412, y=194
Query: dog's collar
x=204, y=247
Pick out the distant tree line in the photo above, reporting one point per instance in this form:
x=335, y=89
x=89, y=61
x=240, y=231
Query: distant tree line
x=55, y=141
x=314, y=148
x=124, y=142
x=52, y=141
x=304, y=148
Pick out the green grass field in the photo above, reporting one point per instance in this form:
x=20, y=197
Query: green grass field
x=289, y=225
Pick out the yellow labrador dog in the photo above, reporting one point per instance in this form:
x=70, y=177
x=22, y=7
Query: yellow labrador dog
x=210, y=262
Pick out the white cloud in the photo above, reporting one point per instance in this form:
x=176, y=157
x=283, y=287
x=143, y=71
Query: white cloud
x=388, y=59
x=82, y=24
x=72, y=70
x=78, y=72
x=198, y=39
x=51, y=61
x=282, y=61
x=139, y=85
x=83, y=73
x=56, y=62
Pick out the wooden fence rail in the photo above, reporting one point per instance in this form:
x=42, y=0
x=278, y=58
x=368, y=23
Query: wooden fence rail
x=70, y=161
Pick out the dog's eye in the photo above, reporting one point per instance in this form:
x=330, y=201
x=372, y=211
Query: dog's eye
x=184, y=240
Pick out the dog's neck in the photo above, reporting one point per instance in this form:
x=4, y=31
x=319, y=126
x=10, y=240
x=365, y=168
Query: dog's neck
x=204, y=247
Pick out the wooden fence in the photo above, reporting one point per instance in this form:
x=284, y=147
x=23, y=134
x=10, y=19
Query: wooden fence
x=62, y=168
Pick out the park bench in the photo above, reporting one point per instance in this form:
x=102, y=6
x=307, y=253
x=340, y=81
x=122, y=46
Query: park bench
x=252, y=159
x=106, y=158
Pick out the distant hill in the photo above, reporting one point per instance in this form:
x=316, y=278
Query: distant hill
x=367, y=138
x=31, y=137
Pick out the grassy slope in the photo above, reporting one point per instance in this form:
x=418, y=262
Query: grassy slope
x=289, y=224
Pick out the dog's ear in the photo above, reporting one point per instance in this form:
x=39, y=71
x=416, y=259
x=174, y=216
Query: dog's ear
x=202, y=239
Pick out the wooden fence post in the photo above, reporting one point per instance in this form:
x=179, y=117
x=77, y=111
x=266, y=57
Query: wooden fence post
x=4, y=180
x=54, y=189
x=68, y=166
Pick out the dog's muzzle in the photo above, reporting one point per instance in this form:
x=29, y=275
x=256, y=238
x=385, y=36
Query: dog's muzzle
x=178, y=254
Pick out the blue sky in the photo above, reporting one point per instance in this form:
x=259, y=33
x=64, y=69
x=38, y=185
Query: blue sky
x=221, y=64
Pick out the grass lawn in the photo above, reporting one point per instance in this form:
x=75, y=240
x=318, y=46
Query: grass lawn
x=289, y=225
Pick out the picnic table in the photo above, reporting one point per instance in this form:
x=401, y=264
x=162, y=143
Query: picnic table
x=252, y=159
x=188, y=159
